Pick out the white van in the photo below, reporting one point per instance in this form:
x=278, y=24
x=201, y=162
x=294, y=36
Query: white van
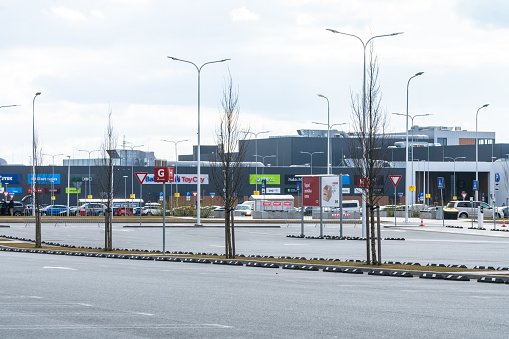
x=349, y=206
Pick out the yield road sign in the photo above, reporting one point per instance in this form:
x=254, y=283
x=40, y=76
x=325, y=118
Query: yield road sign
x=464, y=195
x=395, y=179
x=141, y=176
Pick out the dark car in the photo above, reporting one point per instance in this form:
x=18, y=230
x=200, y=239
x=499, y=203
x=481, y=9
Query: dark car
x=19, y=208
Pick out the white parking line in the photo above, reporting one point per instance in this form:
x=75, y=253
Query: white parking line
x=61, y=268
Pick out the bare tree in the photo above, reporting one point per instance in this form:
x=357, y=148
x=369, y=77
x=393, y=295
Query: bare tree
x=227, y=168
x=38, y=198
x=106, y=180
x=369, y=147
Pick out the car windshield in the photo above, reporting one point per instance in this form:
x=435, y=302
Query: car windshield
x=450, y=204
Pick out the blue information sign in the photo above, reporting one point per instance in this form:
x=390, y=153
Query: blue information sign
x=440, y=183
x=474, y=185
x=497, y=177
x=298, y=186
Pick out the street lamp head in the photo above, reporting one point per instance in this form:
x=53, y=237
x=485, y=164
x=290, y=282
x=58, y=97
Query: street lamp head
x=321, y=95
x=398, y=33
x=331, y=30
x=172, y=58
x=485, y=105
x=419, y=73
x=38, y=93
x=224, y=60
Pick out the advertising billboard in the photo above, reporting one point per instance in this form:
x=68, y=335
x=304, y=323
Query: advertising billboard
x=330, y=191
x=43, y=179
x=10, y=179
x=180, y=179
x=311, y=191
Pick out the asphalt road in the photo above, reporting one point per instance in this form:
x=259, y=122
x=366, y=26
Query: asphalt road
x=430, y=244
x=48, y=296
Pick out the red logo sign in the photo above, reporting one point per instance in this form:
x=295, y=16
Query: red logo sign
x=266, y=203
x=362, y=183
x=287, y=203
x=162, y=174
x=38, y=190
x=395, y=179
x=276, y=203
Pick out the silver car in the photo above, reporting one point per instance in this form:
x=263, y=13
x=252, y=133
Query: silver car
x=467, y=208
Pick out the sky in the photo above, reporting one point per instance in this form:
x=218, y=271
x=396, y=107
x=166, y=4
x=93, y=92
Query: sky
x=88, y=58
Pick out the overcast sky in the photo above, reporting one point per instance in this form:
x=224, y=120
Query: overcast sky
x=89, y=57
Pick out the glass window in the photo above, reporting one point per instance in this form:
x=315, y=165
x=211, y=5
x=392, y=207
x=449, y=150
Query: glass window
x=442, y=141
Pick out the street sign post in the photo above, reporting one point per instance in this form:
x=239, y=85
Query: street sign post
x=395, y=180
x=141, y=178
x=440, y=185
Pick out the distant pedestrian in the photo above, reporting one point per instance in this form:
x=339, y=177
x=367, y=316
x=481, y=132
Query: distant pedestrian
x=11, y=206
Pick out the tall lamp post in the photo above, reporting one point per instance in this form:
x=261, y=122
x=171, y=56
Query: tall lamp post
x=329, y=128
x=198, y=203
x=311, y=155
x=364, y=45
x=68, y=182
x=34, y=179
x=454, y=175
x=89, y=184
x=412, y=117
x=328, y=131
x=176, y=160
x=132, y=167
x=477, y=152
x=256, y=154
x=125, y=193
x=263, y=161
x=53, y=176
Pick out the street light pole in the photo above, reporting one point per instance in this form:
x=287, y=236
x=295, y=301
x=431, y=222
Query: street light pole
x=132, y=167
x=329, y=128
x=454, y=175
x=68, y=182
x=176, y=161
x=328, y=132
x=311, y=154
x=34, y=179
x=256, y=155
x=89, y=152
x=125, y=193
x=198, y=204
x=477, y=153
x=364, y=45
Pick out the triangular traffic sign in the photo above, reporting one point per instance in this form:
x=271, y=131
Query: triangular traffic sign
x=141, y=176
x=395, y=179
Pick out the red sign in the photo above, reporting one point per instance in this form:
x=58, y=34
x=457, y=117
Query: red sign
x=395, y=179
x=311, y=191
x=276, y=203
x=141, y=176
x=163, y=174
x=362, y=183
x=266, y=203
x=6, y=193
x=55, y=190
x=287, y=203
x=39, y=190
x=464, y=195
x=195, y=194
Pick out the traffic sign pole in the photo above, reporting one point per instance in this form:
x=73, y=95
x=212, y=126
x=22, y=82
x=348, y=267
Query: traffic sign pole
x=395, y=180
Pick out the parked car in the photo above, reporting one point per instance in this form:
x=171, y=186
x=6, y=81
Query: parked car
x=92, y=209
x=55, y=210
x=19, y=208
x=152, y=208
x=504, y=211
x=467, y=208
x=243, y=210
